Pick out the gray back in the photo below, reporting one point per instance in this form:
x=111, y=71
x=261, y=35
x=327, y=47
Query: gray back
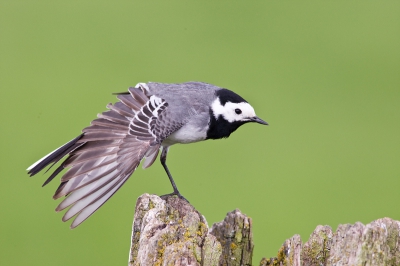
x=186, y=99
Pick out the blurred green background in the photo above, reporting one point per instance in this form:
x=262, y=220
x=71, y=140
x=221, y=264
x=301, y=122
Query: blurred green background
x=325, y=75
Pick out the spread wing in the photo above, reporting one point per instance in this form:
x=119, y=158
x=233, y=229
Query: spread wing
x=104, y=156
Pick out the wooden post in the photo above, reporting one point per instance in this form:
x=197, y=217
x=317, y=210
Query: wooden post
x=377, y=243
x=170, y=231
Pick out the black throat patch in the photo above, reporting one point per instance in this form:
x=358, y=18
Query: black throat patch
x=220, y=128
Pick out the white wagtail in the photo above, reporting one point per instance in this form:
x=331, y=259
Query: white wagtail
x=148, y=117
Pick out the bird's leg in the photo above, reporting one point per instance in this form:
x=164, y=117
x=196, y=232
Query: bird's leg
x=163, y=159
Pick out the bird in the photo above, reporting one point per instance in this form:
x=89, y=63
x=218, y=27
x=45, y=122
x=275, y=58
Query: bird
x=147, y=118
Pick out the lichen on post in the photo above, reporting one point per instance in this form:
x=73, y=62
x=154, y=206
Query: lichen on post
x=236, y=237
x=377, y=243
x=170, y=231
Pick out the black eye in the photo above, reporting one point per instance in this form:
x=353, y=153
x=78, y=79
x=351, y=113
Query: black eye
x=238, y=111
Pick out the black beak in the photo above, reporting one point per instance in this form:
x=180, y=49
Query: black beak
x=258, y=120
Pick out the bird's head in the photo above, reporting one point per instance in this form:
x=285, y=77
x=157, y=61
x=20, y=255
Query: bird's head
x=228, y=112
x=234, y=108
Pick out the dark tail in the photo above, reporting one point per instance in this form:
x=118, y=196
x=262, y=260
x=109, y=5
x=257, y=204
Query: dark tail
x=53, y=158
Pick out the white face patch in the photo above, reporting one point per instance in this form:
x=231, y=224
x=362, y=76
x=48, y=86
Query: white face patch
x=228, y=111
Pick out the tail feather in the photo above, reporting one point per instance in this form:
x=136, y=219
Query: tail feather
x=54, y=174
x=54, y=156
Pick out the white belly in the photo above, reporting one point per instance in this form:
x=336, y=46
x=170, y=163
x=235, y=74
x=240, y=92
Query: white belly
x=186, y=134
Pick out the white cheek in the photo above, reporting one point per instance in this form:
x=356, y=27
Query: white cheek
x=219, y=109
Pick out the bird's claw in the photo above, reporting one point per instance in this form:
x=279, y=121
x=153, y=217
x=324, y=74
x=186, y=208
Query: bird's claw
x=176, y=193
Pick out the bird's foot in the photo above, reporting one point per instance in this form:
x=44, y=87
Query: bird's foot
x=176, y=193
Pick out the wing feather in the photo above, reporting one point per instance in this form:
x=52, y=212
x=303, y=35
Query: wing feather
x=114, y=117
x=89, y=210
x=98, y=145
x=150, y=156
x=101, y=159
x=103, y=129
x=89, y=166
x=87, y=190
x=129, y=102
x=90, y=199
x=92, y=136
x=138, y=95
x=82, y=180
x=122, y=109
x=108, y=124
x=89, y=156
